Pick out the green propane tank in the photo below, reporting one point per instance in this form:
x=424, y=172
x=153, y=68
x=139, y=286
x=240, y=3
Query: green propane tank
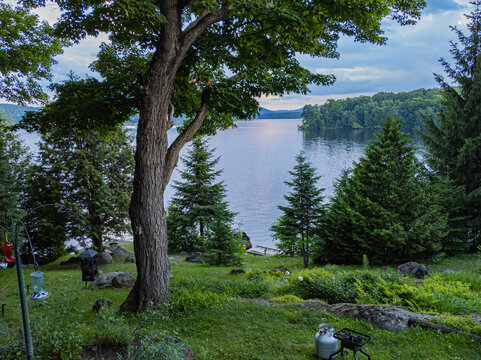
x=326, y=343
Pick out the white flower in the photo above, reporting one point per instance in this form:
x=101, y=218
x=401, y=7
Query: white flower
x=287, y=272
x=300, y=278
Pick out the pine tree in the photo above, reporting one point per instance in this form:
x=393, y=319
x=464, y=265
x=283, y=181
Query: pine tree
x=454, y=136
x=198, y=209
x=384, y=207
x=88, y=173
x=224, y=246
x=14, y=163
x=298, y=225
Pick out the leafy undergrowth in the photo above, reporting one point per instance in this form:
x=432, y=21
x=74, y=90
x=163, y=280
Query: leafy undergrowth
x=207, y=315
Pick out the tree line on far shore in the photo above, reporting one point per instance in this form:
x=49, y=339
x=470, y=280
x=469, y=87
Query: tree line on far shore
x=368, y=112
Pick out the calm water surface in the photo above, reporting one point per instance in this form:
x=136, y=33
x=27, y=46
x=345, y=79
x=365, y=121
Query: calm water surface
x=256, y=158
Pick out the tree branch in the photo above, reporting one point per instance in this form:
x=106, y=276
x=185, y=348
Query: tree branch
x=205, y=19
x=185, y=136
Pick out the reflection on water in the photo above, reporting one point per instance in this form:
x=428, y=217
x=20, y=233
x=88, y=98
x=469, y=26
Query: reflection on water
x=256, y=158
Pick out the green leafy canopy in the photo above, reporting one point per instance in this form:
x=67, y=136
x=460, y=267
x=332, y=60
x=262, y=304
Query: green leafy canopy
x=252, y=52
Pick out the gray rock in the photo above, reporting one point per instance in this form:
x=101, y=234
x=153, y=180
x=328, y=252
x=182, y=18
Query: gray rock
x=103, y=258
x=193, y=258
x=118, y=250
x=245, y=239
x=130, y=259
x=237, y=271
x=419, y=271
x=183, y=254
x=387, y=317
x=100, y=303
x=104, y=281
x=448, y=271
x=123, y=280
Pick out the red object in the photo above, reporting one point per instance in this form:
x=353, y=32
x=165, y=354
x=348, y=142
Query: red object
x=7, y=249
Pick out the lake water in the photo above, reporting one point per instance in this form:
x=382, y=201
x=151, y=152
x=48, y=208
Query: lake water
x=256, y=157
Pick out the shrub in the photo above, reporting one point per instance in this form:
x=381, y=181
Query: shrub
x=58, y=342
x=459, y=323
x=187, y=300
x=151, y=348
x=289, y=298
x=468, y=277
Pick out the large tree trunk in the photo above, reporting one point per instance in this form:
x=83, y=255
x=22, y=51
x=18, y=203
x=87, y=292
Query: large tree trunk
x=147, y=205
x=155, y=160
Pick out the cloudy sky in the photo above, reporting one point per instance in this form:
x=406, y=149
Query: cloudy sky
x=405, y=63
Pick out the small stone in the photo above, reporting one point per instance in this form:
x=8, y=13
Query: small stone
x=100, y=303
x=237, y=271
x=123, y=280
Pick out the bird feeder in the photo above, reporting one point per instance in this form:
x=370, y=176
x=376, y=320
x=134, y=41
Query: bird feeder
x=7, y=248
x=89, y=265
x=36, y=279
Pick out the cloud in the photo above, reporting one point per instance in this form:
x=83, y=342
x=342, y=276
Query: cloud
x=78, y=58
x=292, y=102
x=363, y=73
x=436, y=6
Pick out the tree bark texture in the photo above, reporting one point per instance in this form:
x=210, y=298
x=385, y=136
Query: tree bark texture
x=155, y=160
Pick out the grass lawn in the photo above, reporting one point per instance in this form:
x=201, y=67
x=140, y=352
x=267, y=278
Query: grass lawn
x=208, y=315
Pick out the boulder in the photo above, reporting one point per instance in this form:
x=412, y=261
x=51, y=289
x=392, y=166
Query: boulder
x=245, y=239
x=419, y=271
x=100, y=303
x=103, y=258
x=130, y=259
x=118, y=250
x=193, y=258
x=387, y=317
x=237, y=271
x=107, y=280
x=74, y=260
x=123, y=280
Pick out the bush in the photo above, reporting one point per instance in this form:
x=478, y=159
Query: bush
x=289, y=298
x=188, y=300
x=58, y=342
x=151, y=348
x=468, y=277
x=459, y=323
x=112, y=329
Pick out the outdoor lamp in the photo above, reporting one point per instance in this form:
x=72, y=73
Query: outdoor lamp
x=37, y=285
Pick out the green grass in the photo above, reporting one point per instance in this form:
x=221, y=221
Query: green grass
x=206, y=315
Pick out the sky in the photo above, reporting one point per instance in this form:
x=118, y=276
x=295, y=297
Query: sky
x=407, y=62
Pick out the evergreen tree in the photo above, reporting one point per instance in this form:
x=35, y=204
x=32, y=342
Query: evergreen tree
x=224, y=246
x=384, y=207
x=198, y=208
x=90, y=174
x=454, y=136
x=14, y=162
x=299, y=224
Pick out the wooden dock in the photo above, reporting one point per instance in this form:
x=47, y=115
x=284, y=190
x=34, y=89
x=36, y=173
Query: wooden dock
x=262, y=250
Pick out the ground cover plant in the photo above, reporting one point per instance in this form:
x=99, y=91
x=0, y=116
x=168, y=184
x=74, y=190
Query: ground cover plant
x=211, y=312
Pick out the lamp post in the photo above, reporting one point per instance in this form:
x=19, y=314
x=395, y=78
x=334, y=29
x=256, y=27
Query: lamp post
x=36, y=277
